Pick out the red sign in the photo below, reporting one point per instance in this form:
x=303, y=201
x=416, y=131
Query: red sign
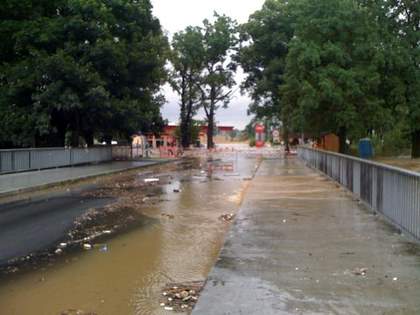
x=259, y=128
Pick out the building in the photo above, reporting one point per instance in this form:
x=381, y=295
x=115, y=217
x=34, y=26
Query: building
x=167, y=138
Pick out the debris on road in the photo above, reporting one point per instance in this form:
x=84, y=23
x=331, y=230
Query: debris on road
x=360, y=271
x=227, y=217
x=151, y=180
x=169, y=216
x=181, y=297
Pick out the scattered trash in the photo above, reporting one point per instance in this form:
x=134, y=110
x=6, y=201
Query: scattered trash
x=360, y=271
x=181, y=297
x=107, y=232
x=169, y=216
x=87, y=246
x=103, y=248
x=177, y=190
x=394, y=279
x=58, y=251
x=284, y=220
x=63, y=245
x=145, y=199
x=227, y=217
x=151, y=180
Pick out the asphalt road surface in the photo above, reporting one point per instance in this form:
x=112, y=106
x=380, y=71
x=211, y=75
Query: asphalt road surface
x=29, y=226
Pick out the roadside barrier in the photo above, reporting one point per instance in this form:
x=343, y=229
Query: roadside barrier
x=18, y=160
x=389, y=190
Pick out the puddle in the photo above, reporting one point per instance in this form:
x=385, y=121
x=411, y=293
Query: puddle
x=125, y=274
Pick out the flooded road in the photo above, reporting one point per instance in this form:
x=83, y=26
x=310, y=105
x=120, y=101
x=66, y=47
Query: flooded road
x=178, y=240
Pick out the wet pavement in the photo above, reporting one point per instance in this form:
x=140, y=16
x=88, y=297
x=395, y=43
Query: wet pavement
x=13, y=183
x=178, y=241
x=28, y=226
x=302, y=245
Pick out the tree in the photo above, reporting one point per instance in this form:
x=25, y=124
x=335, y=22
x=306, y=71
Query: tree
x=187, y=62
x=265, y=39
x=332, y=73
x=79, y=69
x=400, y=33
x=216, y=82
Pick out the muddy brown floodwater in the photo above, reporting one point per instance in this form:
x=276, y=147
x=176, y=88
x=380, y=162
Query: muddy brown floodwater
x=127, y=278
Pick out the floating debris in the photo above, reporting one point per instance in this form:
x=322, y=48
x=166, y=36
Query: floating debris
x=151, y=180
x=87, y=246
x=181, y=297
x=103, y=248
x=227, y=217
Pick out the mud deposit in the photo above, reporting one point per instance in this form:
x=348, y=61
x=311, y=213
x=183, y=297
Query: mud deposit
x=162, y=225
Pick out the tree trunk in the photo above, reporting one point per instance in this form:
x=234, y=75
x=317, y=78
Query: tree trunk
x=89, y=138
x=415, y=144
x=286, y=138
x=74, y=139
x=342, y=136
x=185, y=130
x=108, y=139
x=210, y=131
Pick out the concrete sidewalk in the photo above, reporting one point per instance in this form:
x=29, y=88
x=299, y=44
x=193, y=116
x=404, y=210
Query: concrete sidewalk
x=20, y=182
x=301, y=245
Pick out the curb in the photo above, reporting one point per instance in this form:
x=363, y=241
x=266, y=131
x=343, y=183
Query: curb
x=13, y=193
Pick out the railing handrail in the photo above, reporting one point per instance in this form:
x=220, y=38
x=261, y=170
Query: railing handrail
x=63, y=148
x=377, y=164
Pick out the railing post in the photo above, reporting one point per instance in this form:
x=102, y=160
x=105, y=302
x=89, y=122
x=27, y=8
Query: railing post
x=13, y=160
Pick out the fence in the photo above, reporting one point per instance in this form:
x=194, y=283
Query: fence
x=391, y=191
x=35, y=159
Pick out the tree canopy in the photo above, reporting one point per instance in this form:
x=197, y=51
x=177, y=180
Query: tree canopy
x=187, y=63
x=76, y=69
x=345, y=66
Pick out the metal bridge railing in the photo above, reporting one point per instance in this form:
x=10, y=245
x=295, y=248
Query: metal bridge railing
x=391, y=191
x=41, y=158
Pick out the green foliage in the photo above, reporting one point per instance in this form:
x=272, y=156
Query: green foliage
x=252, y=142
x=217, y=77
x=202, y=71
x=187, y=63
x=85, y=68
x=265, y=39
x=394, y=142
x=347, y=66
x=401, y=74
x=333, y=69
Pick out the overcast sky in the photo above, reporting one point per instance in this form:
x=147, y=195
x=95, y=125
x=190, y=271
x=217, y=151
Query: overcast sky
x=175, y=15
